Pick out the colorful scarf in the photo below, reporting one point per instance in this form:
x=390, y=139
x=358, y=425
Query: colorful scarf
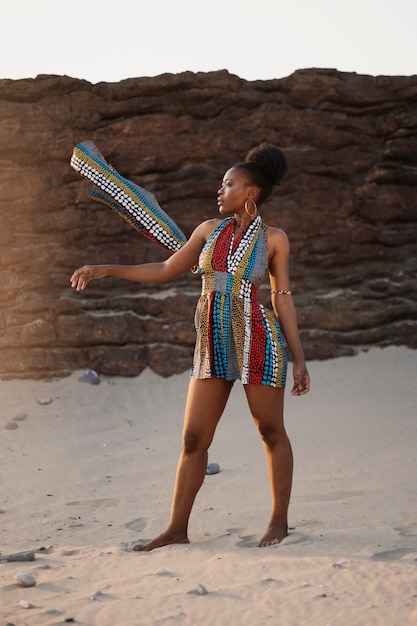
x=135, y=204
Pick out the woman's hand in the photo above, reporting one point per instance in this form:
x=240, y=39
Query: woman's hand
x=81, y=277
x=301, y=379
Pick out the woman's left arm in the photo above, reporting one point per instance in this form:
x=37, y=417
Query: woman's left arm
x=283, y=305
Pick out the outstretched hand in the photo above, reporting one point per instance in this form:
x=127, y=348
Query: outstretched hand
x=301, y=379
x=81, y=277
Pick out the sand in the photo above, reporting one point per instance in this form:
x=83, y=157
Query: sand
x=91, y=473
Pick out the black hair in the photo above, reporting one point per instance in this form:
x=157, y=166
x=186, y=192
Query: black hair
x=265, y=166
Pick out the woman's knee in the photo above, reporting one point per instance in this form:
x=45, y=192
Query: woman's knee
x=193, y=442
x=271, y=434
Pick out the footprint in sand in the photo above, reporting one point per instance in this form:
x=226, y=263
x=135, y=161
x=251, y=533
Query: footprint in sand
x=408, y=531
x=246, y=541
x=331, y=497
x=251, y=541
x=307, y=523
x=139, y=524
x=97, y=502
x=391, y=555
x=71, y=552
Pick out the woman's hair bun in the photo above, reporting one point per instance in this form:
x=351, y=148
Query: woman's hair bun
x=270, y=160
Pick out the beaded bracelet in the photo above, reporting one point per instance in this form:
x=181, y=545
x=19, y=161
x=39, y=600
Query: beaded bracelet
x=284, y=292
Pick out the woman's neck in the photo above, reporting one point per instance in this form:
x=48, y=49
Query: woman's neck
x=242, y=222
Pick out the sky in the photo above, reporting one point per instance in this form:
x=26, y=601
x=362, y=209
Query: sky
x=254, y=39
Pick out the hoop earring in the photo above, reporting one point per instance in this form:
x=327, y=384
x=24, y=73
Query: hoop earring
x=255, y=213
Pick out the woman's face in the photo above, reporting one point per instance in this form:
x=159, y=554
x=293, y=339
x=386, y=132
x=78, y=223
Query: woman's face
x=234, y=192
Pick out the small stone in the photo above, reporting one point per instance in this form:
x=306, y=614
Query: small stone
x=96, y=594
x=26, y=605
x=162, y=572
x=48, y=520
x=44, y=400
x=89, y=376
x=19, y=417
x=25, y=579
x=199, y=591
x=11, y=426
x=212, y=468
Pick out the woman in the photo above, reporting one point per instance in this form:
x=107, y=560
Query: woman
x=236, y=337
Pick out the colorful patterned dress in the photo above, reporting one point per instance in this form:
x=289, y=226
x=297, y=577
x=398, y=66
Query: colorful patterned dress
x=237, y=338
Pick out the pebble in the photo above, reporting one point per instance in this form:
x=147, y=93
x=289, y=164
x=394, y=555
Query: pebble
x=26, y=605
x=199, y=591
x=89, y=376
x=19, y=417
x=44, y=400
x=212, y=468
x=11, y=426
x=96, y=594
x=162, y=572
x=25, y=579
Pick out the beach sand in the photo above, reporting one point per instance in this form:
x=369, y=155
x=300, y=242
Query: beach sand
x=91, y=473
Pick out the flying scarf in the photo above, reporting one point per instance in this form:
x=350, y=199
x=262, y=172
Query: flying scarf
x=133, y=203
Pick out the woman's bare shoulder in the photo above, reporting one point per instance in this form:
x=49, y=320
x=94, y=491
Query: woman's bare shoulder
x=206, y=228
x=276, y=236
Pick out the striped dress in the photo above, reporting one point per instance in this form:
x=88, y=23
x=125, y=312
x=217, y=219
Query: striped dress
x=237, y=338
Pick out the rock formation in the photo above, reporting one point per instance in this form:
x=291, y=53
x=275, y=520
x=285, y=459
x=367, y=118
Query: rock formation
x=348, y=204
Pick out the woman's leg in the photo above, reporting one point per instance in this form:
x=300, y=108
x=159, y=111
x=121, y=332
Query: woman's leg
x=267, y=405
x=206, y=401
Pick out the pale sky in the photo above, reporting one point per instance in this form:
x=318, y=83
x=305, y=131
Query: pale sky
x=255, y=39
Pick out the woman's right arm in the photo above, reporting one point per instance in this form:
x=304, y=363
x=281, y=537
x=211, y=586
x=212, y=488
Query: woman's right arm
x=176, y=264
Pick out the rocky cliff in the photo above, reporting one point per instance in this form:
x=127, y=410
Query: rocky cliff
x=348, y=204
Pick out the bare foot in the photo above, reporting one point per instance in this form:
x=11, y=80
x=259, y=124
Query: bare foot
x=164, y=539
x=273, y=536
